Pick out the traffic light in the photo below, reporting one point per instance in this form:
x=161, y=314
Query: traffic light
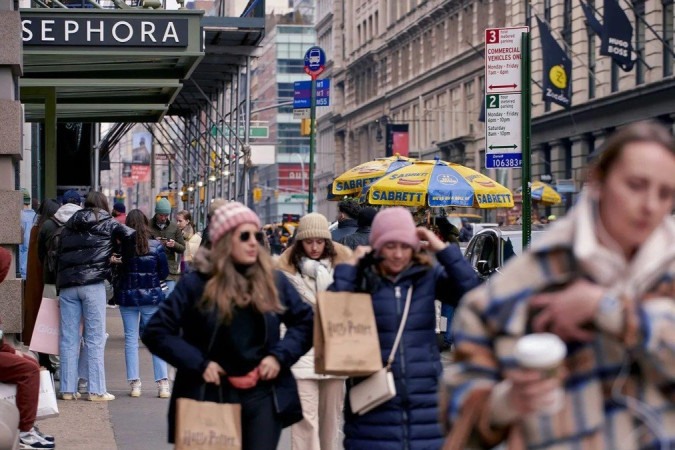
x=305, y=127
x=257, y=195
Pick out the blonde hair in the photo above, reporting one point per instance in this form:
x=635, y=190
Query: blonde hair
x=228, y=287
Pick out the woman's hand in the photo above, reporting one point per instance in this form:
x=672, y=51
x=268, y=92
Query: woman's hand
x=213, y=372
x=358, y=253
x=269, y=368
x=115, y=259
x=531, y=390
x=430, y=240
x=565, y=312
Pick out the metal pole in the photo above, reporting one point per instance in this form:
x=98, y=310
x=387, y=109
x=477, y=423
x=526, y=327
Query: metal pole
x=97, y=157
x=236, y=141
x=312, y=121
x=247, y=129
x=302, y=178
x=526, y=105
x=232, y=152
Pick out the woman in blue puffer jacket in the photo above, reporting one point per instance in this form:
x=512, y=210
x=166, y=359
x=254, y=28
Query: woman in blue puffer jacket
x=138, y=293
x=395, y=267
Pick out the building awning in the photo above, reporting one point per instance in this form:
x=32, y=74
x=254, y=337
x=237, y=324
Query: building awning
x=130, y=65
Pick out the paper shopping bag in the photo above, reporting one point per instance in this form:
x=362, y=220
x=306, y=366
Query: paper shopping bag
x=345, y=335
x=207, y=425
x=45, y=337
x=47, y=406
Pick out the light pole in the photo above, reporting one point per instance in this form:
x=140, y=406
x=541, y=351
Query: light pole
x=302, y=175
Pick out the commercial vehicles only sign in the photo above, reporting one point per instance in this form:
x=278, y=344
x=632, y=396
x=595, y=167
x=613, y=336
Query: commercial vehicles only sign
x=503, y=122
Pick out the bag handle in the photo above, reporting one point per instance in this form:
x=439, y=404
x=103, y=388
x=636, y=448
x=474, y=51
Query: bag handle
x=202, y=390
x=404, y=319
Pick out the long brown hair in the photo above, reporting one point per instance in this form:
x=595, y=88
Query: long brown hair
x=189, y=230
x=298, y=252
x=228, y=286
x=139, y=222
x=97, y=202
x=644, y=131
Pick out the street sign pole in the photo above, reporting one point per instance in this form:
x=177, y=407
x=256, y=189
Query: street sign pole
x=312, y=120
x=315, y=64
x=526, y=111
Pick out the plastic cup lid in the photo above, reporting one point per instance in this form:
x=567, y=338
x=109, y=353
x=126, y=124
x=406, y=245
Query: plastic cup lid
x=540, y=351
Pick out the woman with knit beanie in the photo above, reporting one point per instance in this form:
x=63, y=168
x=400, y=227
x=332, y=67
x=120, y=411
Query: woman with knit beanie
x=309, y=265
x=220, y=329
x=394, y=268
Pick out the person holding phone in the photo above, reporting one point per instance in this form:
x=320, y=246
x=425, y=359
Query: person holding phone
x=166, y=231
x=394, y=266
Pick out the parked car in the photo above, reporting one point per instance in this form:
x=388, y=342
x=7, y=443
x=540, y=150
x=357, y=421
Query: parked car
x=491, y=248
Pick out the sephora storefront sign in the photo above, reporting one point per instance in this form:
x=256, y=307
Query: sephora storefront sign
x=104, y=31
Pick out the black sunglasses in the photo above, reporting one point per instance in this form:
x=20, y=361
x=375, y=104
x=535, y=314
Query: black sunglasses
x=244, y=236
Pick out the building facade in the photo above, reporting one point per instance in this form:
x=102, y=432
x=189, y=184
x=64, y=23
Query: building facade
x=422, y=64
x=281, y=63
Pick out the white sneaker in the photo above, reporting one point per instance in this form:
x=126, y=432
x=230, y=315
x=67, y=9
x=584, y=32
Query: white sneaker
x=135, y=388
x=105, y=397
x=163, y=390
x=32, y=440
x=82, y=386
x=70, y=395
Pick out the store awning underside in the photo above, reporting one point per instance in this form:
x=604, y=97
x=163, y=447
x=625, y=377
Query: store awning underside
x=228, y=41
x=134, y=84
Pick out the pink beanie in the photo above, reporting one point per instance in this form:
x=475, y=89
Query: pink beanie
x=393, y=225
x=228, y=217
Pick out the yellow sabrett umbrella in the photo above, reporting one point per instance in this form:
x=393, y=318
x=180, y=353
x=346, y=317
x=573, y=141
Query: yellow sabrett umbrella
x=438, y=184
x=545, y=193
x=355, y=179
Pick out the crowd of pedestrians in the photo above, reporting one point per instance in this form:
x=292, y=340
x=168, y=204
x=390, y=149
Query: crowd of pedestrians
x=231, y=308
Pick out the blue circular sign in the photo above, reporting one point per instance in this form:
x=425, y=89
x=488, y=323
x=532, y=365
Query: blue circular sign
x=315, y=60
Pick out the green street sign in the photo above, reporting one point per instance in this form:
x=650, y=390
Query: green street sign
x=254, y=132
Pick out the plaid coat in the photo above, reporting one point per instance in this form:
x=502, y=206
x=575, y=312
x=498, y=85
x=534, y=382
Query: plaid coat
x=617, y=384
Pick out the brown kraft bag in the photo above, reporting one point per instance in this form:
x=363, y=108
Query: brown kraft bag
x=207, y=425
x=345, y=335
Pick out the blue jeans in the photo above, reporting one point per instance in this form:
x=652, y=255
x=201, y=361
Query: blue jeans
x=130, y=319
x=171, y=284
x=448, y=312
x=88, y=302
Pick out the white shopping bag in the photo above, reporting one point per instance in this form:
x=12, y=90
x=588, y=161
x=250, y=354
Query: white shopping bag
x=47, y=406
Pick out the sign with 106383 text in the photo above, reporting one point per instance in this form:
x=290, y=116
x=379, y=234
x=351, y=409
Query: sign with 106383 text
x=503, y=132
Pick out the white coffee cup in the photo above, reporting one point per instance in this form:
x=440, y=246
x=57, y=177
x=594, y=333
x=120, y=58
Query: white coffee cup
x=545, y=352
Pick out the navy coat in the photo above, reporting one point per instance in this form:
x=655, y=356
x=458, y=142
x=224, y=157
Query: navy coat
x=409, y=420
x=137, y=282
x=180, y=334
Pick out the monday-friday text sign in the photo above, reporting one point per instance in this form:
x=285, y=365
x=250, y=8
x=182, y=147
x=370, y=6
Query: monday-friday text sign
x=503, y=122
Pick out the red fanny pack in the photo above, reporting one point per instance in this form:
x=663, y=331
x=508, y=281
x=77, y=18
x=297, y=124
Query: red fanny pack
x=248, y=381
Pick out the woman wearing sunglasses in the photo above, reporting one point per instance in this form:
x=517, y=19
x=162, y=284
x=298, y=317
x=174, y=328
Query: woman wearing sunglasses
x=309, y=265
x=220, y=329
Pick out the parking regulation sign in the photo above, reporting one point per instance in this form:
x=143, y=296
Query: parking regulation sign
x=315, y=61
x=503, y=132
x=503, y=121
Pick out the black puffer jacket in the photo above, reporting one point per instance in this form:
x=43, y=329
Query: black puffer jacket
x=137, y=280
x=86, y=244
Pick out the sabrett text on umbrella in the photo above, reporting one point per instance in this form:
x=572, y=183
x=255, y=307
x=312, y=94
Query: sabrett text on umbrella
x=353, y=184
x=397, y=196
x=493, y=198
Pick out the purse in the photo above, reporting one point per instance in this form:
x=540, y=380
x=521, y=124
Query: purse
x=379, y=387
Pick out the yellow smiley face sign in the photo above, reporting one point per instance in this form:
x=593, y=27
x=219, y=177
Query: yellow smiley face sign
x=558, y=76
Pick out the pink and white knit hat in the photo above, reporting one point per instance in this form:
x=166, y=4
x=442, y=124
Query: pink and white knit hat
x=228, y=217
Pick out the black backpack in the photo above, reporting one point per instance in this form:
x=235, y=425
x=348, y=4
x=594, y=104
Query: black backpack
x=53, y=244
